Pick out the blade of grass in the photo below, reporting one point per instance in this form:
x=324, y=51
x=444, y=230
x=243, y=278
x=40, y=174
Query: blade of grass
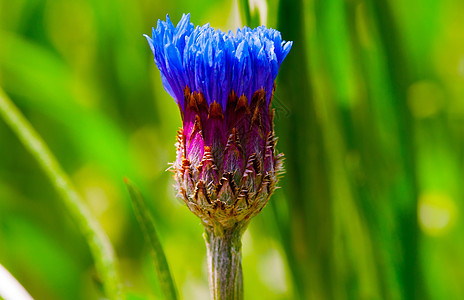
x=97, y=240
x=248, y=18
x=148, y=227
x=306, y=183
x=401, y=76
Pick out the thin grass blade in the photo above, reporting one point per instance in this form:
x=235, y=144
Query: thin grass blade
x=99, y=243
x=148, y=227
x=248, y=17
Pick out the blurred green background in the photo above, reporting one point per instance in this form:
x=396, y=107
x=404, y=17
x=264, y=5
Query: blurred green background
x=370, y=115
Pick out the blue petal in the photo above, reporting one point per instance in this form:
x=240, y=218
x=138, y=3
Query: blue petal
x=216, y=63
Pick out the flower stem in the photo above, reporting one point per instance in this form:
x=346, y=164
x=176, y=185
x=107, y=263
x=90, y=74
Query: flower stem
x=224, y=249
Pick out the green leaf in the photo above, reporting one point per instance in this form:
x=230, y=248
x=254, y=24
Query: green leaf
x=148, y=227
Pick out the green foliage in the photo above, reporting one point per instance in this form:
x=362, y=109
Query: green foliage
x=97, y=240
x=369, y=113
x=148, y=227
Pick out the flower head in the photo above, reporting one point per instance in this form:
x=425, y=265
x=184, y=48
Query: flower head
x=226, y=167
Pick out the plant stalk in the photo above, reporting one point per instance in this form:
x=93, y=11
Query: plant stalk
x=224, y=250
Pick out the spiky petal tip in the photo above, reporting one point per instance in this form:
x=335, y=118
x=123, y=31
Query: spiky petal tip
x=213, y=62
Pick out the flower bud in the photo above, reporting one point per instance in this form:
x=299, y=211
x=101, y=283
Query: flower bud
x=227, y=166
